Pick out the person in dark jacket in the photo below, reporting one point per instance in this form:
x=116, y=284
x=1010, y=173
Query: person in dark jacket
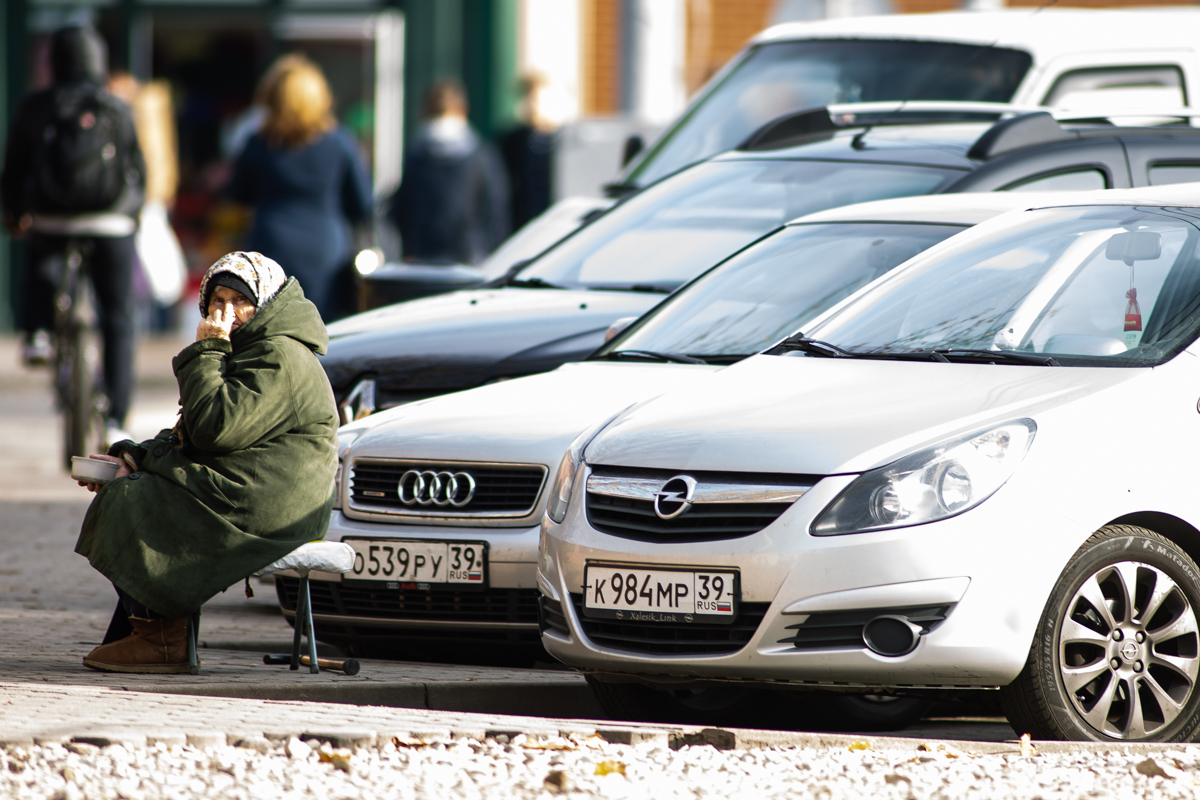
x=528, y=151
x=244, y=478
x=78, y=63
x=452, y=203
x=305, y=181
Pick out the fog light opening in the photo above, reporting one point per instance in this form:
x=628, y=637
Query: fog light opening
x=891, y=636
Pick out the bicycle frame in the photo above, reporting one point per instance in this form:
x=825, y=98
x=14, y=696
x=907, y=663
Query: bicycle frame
x=77, y=375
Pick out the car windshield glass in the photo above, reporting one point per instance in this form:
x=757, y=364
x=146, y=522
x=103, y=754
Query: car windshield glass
x=770, y=290
x=782, y=77
x=1086, y=285
x=671, y=232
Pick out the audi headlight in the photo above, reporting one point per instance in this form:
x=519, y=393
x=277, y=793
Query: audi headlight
x=569, y=468
x=935, y=483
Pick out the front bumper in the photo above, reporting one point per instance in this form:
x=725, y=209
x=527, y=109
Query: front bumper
x=974, y=569
x=505, y=610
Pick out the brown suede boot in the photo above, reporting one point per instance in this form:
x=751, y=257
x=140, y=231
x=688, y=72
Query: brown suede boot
x=156, y=646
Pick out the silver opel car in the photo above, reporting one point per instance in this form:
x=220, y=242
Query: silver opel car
x=442, y=499
x=975, y=474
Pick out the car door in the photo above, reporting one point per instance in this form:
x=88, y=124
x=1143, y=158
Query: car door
x=1158, y=162
x=1078, y=165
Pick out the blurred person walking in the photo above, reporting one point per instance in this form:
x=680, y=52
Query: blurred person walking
x=157, y=248
x=528, y=151
x=452, y=203
x=304, y=179
x=73, y=173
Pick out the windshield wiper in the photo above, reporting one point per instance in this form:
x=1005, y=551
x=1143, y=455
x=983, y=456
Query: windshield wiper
x=634, y=287
x=671, y=358
x=815, y=347
x=533, y=283
x=1011, y=356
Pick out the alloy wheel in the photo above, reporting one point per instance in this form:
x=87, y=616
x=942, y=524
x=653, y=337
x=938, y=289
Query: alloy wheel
x=1128, y=650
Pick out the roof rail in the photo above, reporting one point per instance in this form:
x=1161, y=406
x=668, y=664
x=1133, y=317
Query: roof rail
x=791, y=128
x=1170, y=112
x=788, y=128
x=1014, y=133
x=927, y=107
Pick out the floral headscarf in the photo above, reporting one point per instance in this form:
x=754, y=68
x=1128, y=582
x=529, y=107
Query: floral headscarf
x=263, y=276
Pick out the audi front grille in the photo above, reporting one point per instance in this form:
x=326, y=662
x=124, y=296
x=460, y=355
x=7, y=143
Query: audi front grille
x=445, y=489
x=644, y=504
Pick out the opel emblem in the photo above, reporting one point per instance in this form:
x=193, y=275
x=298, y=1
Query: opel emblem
x=675, y=497
x=427, y=487
x=1129, y=650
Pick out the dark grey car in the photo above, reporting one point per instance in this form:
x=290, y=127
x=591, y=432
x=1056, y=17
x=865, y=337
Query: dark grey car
x=557, y=308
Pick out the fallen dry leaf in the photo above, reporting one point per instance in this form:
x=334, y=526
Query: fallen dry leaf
x=551, y=744
x=557, y=781
x=408, y=741
x=943, y=750
x=1153, y=769
x=860, y=745
x=610, y=768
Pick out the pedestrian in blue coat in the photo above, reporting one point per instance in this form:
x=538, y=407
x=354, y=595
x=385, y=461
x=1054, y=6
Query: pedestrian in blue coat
x=305, y=181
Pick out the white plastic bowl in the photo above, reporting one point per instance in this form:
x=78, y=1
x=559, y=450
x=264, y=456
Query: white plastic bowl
x=92, y=470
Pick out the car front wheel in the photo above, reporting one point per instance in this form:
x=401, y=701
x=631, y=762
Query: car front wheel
x=1117, y=652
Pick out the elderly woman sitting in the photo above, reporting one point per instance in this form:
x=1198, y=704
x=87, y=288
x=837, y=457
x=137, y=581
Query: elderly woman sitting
x=244, y=478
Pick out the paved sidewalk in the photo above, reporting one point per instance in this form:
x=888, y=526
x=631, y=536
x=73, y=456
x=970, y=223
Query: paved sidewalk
x=54, y=608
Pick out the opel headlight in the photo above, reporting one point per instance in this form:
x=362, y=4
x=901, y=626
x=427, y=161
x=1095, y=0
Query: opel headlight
x=935, y=483
x=569, y=468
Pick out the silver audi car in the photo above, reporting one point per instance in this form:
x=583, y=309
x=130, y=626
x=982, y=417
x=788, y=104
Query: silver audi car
x=975, y=474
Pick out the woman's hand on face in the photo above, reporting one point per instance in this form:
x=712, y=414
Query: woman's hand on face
x=122, y=470
x=217, y=325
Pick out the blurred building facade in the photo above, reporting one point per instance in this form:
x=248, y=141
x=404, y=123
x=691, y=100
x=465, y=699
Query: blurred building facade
x=610, y=67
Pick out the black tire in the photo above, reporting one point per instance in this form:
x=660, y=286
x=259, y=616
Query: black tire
x=748, y=706
x=79, y=406
x=1126, y=671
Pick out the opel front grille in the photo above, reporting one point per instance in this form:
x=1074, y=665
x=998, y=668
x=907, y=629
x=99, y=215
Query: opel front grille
x=665, y=638
x=644, y=504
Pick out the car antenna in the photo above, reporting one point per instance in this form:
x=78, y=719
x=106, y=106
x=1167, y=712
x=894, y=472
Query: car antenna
x=857, y=142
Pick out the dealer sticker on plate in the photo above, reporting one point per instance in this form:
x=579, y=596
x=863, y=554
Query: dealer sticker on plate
x=409, y=561
x=669, y=594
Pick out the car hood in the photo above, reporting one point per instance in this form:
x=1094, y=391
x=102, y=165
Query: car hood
x=463, y=339
x=528, y=420
x=815, y=416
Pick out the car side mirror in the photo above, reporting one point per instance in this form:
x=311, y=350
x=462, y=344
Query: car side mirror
x=633, y=145
x=1133, y=246
x=617, y=328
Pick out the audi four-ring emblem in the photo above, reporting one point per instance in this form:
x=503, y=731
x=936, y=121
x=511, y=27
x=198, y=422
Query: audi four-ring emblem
x=426, y=487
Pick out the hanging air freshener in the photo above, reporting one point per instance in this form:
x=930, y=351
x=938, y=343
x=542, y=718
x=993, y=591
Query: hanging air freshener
x=1133, y=320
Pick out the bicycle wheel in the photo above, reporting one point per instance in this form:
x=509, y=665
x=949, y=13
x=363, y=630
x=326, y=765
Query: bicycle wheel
x=78, y=408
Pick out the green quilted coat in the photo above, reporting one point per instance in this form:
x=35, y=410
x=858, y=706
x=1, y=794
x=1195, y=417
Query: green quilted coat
x=250, y=479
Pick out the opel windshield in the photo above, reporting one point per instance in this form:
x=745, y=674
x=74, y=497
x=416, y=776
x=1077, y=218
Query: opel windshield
x=1078, y=286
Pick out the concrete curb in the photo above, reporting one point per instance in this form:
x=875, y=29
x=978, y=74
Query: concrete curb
x=615, y=733
x=532, y=698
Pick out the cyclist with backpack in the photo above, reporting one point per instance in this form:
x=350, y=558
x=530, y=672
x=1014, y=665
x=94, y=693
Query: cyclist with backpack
x=74, y=175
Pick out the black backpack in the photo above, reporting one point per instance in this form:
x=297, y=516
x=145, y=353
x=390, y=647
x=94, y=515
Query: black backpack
x=80, y=165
